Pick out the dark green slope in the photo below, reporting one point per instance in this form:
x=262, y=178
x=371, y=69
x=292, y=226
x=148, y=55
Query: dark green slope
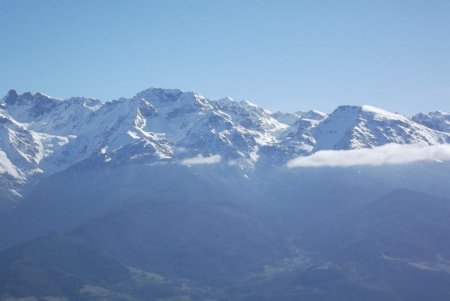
x=144, y=250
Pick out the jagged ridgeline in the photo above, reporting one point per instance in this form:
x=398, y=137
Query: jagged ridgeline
x=42, y=135
x=169, y=195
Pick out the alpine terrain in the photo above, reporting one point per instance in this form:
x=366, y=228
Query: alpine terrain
x=169, y=195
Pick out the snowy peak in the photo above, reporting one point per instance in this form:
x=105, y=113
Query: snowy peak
x=251, y=116
x=353, y=127
x=11, y=98
x=225, y=101
x=312, y=115
x=381, y=114
x=170, y=97
x=368, y=111
x=28, y=106
x=169, y=103
x=439, y=121
x=27, y=98
x=160, y=95
x=41, y=135
x=286, y=118
x=89, y=103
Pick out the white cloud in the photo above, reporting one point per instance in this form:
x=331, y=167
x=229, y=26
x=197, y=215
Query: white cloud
x=386, y=154
x=201, y=160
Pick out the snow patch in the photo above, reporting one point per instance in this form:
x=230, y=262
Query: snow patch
x=6, y=166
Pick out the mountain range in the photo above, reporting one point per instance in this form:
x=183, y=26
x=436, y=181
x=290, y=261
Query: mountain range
x=42, y=135
x=172, y=196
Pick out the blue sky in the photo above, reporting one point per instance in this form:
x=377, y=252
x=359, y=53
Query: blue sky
x=283, y=55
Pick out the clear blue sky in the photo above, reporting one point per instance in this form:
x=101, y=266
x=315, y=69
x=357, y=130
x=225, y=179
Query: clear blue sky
x=283, y=55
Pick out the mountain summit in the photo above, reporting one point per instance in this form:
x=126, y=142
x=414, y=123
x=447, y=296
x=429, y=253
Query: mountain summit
x=41, y=135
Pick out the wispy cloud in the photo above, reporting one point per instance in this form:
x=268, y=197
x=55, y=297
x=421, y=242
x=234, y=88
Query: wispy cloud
x=201, y=160
x=387, y=154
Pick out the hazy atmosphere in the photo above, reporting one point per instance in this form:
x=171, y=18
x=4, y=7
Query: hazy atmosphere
x=224, y=150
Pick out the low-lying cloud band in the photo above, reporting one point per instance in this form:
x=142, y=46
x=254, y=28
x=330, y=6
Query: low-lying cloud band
x=382, y=155
x=201, y=160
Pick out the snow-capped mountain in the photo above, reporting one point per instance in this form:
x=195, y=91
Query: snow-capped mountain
x=439, y=121
x=41, y=135
x=353, y=127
